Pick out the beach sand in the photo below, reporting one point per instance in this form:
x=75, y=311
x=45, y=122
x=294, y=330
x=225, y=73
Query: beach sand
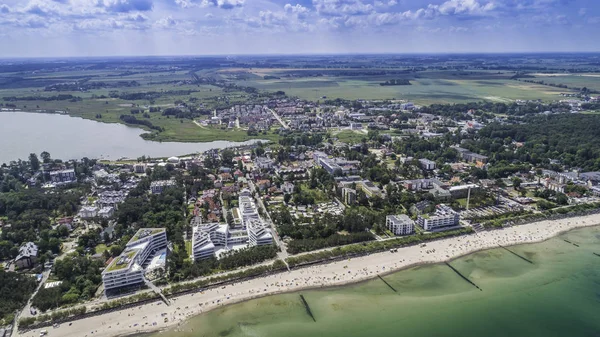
x=150, y=317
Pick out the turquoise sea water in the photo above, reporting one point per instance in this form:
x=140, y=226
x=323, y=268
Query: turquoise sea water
x=557, y=295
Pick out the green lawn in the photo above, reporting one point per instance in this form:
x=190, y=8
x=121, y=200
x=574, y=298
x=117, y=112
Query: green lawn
x=188, y=247
x=317, y=194
x=100, y=248
x=349, y=136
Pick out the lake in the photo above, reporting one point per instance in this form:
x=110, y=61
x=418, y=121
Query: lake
x=557, y=295
x=65, y=137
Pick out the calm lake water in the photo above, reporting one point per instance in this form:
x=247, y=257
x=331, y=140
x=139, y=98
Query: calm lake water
x=66, y=137
x=557, y=295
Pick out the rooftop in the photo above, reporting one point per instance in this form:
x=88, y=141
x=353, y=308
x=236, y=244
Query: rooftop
x=122, y=261
x=144, y=232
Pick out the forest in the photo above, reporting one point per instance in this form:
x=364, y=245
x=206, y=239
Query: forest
x=15, y=290
x=571, y=139
x=80, y=276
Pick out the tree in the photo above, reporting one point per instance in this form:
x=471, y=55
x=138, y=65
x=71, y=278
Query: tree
x=516, y=183
x=45, y=157
x=34, y=162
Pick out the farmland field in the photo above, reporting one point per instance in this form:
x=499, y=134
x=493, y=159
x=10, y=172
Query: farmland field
x=427, y=87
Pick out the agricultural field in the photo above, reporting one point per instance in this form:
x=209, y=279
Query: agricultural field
x=426, y=87
x=590, y=81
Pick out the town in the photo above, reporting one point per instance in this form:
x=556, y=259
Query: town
x=376, y=173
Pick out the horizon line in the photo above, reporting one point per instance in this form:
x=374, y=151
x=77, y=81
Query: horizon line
x=3, y=58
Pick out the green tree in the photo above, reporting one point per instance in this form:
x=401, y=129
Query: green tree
x=34, y=162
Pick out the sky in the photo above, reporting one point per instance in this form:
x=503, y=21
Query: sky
x=73, y=28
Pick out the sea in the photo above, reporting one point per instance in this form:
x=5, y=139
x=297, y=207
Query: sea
x=534, y=290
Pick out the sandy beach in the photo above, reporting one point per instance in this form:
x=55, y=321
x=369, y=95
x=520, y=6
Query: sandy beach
x=151, y=317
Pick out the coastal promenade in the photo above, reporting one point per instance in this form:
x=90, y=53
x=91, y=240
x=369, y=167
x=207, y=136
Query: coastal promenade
x=155, y=316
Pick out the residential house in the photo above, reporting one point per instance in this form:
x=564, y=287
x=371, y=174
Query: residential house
x=27, y=255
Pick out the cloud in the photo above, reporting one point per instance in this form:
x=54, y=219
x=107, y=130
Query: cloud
x=137, y=17
x=455, y=7
x=125, y=6
x=166, y=22
x=342, y=7
x=40, y=8
x=4, y=9
x=224, y=4
x=385, y=3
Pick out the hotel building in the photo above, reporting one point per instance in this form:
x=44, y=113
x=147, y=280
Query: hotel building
x=126, y=270
x=444, y=216
x=400, y=224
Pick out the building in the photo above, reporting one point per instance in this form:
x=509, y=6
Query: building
x=139, y=168
x=208, y=238
x=247, y=209
x=356, y=126
x=400, y=224
x=462, y=191
x=427, y=164
x=264, y=163
x=349, y=195
x=106, y=212
x=157, y=187
x=258, y=233
x=127, y=269
x=369, y=188
x=469, y=156
x=444, y=216
x=287, y=187
x=27, y=255
x=87, y=212
x=63, y=176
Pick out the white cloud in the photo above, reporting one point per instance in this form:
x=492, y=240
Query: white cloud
x=451, y=7
x=342, y=7
x=166, y=22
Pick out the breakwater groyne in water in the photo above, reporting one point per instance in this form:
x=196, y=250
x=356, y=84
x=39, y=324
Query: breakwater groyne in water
x=597, y=254
x=516, y=254
x=308, y=311
x=463, y=276
x=574, y=244
x=389, y=285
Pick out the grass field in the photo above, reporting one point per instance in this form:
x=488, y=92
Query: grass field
x=349, y=136
x=591, y=81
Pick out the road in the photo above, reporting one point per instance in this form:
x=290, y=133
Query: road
x=285, y=126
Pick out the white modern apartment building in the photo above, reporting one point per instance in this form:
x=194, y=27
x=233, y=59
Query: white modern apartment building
x=258, y=231
x=259, y=234
x=126, y=270
x=248, y=210
x=400, y=224
x=444, y=216
x=210, y=237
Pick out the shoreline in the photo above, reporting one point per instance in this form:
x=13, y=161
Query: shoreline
x=144, y=130
x=149, y=317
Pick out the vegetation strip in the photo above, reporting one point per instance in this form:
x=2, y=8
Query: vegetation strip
x=516, y=254
x=464, y=277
